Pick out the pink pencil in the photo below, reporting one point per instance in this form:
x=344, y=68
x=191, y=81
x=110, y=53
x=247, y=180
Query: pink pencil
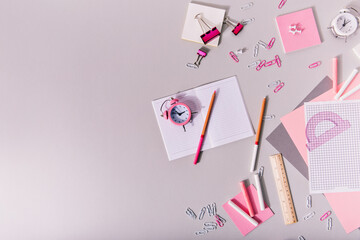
x=247, y=199
x=204, y=128
x=335, y=74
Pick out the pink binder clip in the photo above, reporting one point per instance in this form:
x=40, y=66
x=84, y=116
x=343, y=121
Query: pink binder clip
x=237, y=27
x=261, y=64
x=208, y=35
x=233, y=55
x=201, y=54
x=278, y=61
x=271, y=43
x=315, y=64
x=281, y=4
x=280, y=86
x=325, y=216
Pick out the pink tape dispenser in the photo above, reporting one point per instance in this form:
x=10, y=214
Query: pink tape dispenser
x=237, y=27
x=209, y=33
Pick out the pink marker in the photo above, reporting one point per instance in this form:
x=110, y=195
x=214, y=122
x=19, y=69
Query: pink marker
x=247, y=199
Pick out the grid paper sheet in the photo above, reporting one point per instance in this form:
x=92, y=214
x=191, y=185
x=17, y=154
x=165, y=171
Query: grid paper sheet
x=333, y=143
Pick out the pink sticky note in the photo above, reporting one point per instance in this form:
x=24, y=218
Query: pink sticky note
x=260, y=216
x=345, y=205
x=305, y=21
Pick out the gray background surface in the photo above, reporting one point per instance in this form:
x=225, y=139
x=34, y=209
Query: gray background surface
x=81, y=153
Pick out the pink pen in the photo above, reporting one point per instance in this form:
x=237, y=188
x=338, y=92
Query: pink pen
x=204, y=129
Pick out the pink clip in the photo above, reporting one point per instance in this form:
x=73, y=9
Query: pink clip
x=210, y=35
x=282, y=3
x=201, y=53
x=280, y=86
x=271, y=43
x=233, y=55
x=272, y=62
x=315, y=64
x=278, y=61
x=261, y=64
x=219, y=221
x=325, y=216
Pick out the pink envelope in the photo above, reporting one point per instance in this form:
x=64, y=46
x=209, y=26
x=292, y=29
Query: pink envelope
x=345, y=205
x=260, y=216
x=305, y=22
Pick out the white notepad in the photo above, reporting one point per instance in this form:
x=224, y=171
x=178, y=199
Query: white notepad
x=229, y=120
x=192, y=30
x=333, y=143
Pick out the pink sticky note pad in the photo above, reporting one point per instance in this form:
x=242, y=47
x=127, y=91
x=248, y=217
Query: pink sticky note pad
x=344, y=205
x=306, y=22
x=260, y=216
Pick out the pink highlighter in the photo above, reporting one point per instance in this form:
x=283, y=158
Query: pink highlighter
x=247, y=199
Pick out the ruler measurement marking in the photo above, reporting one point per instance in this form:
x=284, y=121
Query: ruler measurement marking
x=282, y=185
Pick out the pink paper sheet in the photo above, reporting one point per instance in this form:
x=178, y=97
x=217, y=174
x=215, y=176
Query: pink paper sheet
x=260, y=216
x=306, y=22
x=345, y=205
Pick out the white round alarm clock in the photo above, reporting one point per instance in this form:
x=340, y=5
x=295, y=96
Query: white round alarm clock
x=345, y=23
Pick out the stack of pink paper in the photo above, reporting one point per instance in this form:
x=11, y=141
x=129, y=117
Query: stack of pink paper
x=343, y=204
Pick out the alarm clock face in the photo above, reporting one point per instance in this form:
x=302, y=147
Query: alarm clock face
x=180, y=114
x=345, y=24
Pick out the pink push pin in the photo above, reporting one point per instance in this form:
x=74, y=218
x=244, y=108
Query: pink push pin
x=209, y=33
x=237, y=27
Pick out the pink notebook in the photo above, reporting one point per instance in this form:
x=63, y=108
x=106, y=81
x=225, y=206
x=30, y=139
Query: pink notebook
x=260, y=216
x=345, y=205
x=305, y=22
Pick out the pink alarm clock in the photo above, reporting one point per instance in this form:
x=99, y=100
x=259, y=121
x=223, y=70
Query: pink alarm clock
x=178, y=113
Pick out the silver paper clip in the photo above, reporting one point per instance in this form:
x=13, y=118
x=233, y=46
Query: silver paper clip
x=254, y=64
x=247, y=21
x=261, y=171
x=308, y=201
x=214, y=210
x=210, y=226
x=274, y=83
x=325, y=216
x=301, y=238
x=190, y=213
x=256, y=50
x=329, y=224
x=310, y=215
x=202, y=232
x=315, y=64
x=209, y=210
x=263, y=44
x=202, y=213
x=247, y=6
x=269, y=117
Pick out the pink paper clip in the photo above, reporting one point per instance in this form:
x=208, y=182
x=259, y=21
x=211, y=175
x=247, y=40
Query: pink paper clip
x=271, y=43
x=281, y=4
x=315, y=64
x=261, y=64
x=278, y=61
x=233, y=55
x=325, y=216
x=208, y=35
x=280, y=86
x=237, y=27
x=220, y=221
x=272, y=62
